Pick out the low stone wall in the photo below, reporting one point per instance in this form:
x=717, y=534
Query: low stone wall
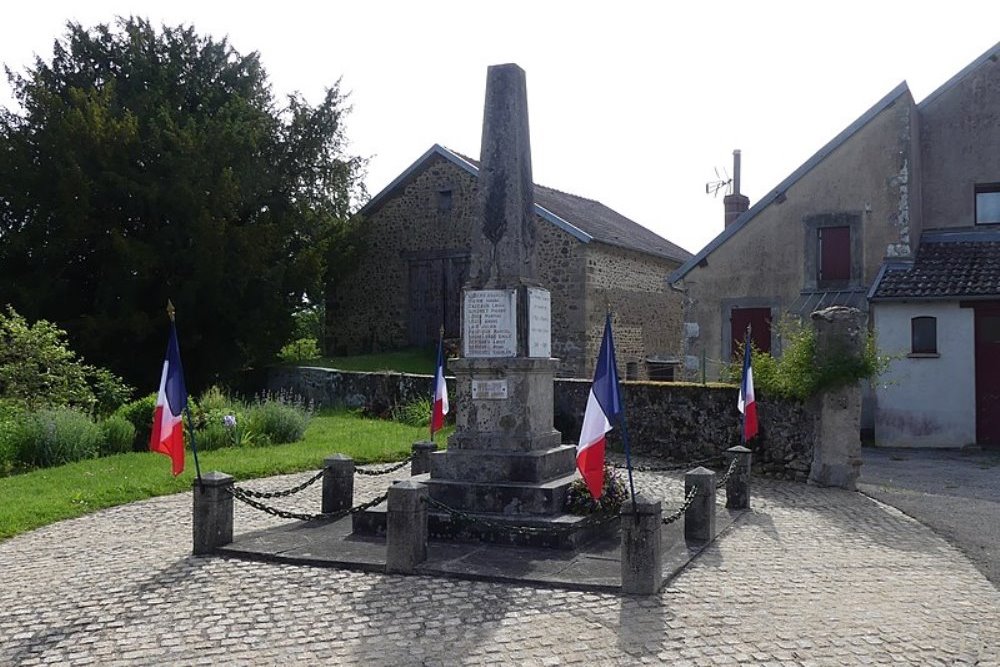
x=680, y=422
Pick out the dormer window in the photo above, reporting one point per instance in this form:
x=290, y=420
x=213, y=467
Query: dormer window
x=988, y=204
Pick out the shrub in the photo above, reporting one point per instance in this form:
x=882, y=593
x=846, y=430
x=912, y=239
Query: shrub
x=117, y=435
x=278, y=418
x=110, y=391
x=139, y=413
x=54, y=436
x=613, y=494
x=299, y=351
x=11, y=415
x=415, y=413
x=213, y=435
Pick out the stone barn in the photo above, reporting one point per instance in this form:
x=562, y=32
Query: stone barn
x=416, y=255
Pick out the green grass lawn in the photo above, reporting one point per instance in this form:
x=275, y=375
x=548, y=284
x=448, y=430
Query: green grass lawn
x=42, y=497
x=414, y=360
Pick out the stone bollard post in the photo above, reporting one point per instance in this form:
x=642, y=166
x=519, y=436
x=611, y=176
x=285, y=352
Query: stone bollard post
x=421, y=461
x=406, y=527
x=213, y=512
x=699, y=520
x=642, y=567
x=338, y=483
x=738, y=486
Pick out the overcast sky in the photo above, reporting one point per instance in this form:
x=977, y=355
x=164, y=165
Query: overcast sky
x=634, y=104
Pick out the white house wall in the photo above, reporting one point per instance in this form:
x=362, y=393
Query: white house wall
x=926, y=401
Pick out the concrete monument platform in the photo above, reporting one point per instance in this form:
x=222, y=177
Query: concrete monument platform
x=595, y=566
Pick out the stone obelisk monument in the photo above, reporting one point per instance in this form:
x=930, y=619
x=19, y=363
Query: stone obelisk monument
x=505, y=459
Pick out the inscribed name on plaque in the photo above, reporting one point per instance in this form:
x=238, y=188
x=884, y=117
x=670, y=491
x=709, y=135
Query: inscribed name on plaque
x=489, y=323
x=489, y=389
x=539, y=323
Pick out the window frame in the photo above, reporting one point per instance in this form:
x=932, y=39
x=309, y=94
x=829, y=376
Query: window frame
x=985, y=189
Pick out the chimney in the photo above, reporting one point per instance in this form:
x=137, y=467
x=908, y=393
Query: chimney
x=735, y=203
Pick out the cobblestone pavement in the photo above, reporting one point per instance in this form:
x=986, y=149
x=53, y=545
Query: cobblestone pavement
x=810, y=577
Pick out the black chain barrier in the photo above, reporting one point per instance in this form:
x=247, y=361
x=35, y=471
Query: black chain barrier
x=384, y=471
x=592, y=521
x=683, y=508
x=670, y=466
x=238, y=493
x=280, y=494
x=729, y=473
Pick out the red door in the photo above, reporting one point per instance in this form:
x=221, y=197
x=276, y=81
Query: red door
x=988, y=376
x=759, y=320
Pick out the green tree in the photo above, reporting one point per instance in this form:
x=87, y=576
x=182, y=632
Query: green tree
x=151, y=164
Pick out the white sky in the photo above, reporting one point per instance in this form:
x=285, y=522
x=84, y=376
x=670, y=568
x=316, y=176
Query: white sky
x=634, y=104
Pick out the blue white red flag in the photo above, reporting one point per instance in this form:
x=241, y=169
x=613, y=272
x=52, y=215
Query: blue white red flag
x=604, y=405
x=747, y=403
x=440, y=408
x=168, y=428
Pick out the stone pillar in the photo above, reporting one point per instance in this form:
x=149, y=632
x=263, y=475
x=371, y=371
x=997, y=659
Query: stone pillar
x=738, y=486
x=642, y=567
x=406, y=527
x=840, y=336
x=421, y=461
x=213, y=512
x=699, y=520
x=338, y=483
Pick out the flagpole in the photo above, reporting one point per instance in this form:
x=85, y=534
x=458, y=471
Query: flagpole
x=187, y=410
x=438, y=364
x=621, y=419
x=743, y=380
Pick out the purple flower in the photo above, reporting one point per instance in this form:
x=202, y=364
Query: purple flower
x=229, y=421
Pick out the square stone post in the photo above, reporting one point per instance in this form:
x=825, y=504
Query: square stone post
x=213, y=512
x=642, y=567
x=421, y=461
x=338, y=483
x=738, y=485
x=699, y=520
x=406, y=527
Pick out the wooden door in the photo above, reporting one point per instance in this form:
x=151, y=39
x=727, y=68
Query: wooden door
x=988, y=376
x=425, y=303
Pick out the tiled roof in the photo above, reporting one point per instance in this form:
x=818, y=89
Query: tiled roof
x=585, y=219
x=950, y=264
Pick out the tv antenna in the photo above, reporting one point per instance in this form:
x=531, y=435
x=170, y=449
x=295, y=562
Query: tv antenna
x=723, y=182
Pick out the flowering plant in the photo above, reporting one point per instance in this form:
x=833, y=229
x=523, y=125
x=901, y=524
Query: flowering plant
x=613, y=495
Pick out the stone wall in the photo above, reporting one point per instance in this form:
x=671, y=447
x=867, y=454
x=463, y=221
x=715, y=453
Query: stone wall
x=681, y=422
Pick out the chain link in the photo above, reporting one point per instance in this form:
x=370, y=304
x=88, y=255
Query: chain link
x=280, y=494
x=670, y=466
x=729, y=473
x=238, y=493
x=383, y=471
x=683, y=508
x=592, y=521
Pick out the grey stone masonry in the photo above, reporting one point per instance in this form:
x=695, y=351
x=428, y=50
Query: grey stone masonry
x=503, y=250
x=738, y=484
x=699, y=520
x=421, y=461
x=212, y=523
x=338, y=483
x=642, y=564
x=840, y=335
x=406, y=527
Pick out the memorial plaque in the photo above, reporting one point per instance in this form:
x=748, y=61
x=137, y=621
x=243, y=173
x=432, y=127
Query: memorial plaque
x=489, y=389
x=539, y=323
x=489, y=324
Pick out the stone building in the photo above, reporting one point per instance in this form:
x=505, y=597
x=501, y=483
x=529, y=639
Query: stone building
x=904, y=181
x=417, y=248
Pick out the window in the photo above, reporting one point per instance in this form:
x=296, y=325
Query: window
x=444, y=201
x=988, y=204
x=834, y=266
x=660, y=372
x=923, y=335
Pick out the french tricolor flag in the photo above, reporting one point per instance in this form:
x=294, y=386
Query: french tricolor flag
x=747, y=404
x=168, y=428
x=603, y=406
x=440, y=408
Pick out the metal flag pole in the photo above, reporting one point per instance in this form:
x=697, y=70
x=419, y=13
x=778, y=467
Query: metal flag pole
x=187, y=411
x=743, y=384
x=621, y=418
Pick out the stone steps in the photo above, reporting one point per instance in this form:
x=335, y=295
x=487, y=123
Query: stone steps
x=479, y=466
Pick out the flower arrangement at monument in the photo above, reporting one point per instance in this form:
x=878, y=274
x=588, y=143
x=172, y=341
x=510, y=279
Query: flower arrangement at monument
x=613, y=495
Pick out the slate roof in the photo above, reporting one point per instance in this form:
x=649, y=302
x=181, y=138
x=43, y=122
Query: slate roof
x=585, y=219
x=950, y=264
